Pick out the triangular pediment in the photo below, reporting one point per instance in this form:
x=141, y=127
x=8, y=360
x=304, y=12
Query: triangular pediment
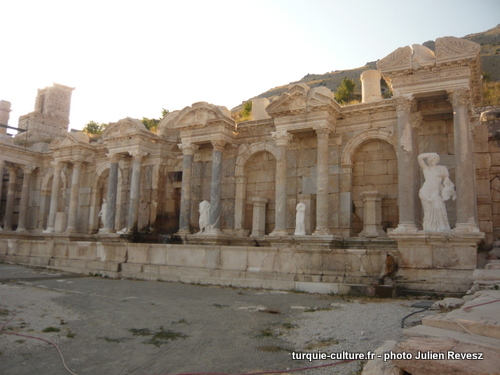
x=400, y=59
x=301, y=99
x=124, y=127
x=73, y=139
x=200, y=115
x=451, y=48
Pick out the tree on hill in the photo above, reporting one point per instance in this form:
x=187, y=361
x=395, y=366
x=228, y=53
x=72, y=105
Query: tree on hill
x=345, y=91
x=152, y=123
x=93, y=127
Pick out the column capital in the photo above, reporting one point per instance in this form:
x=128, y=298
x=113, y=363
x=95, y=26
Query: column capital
x=77, y=160
x=188, y=148
x=12, y=168
x=282, y=138
x=323, y=133
x=27, y=169
x=114, y=157
x=459, y=97
x=218, y=145
x=57, y=165
x=403, y=103
x=138, y=155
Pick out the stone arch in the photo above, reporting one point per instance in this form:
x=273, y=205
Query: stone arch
x=364, y=137
x=244, y=153
x=346, y=177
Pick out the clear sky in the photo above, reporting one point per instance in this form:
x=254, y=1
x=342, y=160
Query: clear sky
x=133, y=58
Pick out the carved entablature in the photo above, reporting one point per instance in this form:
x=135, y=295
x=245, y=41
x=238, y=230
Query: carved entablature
x=418, y=70
x=202, y=122
x=301, y=99
x=72, y=145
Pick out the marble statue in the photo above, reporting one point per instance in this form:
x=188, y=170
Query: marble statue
x=204, y=221
x=436, y=189
x=102, y=213
x=300, y=228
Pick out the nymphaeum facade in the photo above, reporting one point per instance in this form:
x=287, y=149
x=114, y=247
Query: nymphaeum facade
x=354, y=167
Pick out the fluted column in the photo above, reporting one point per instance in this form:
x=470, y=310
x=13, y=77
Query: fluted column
x=74, y=195
x=322, y=183
x=188, y=150
x=464, y=162
x=11, y=195
x=54, y=196
x=282, y=139
x=216, y=187
x=23, y=206
x=406, y=153
x=135, y=190
x=109, y=224
x=2, y=168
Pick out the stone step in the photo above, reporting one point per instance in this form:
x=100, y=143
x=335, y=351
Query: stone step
x=425, y=331
x=479, y=316
x=486, y=275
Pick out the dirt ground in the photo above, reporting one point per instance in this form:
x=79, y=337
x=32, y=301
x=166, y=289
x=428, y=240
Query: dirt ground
x=105, y=326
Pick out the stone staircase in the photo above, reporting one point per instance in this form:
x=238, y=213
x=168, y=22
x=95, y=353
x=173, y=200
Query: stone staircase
x=467, y=337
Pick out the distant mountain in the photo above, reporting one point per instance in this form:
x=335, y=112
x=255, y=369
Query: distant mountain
x=490, y=59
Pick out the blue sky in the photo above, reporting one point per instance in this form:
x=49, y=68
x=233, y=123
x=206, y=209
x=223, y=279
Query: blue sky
x=130, y=58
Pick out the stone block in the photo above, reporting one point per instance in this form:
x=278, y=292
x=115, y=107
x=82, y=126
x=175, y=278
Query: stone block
x=482, y=160
x=186, y=256
x=233, y=260
x=158, y=254
x=81, y=250
x=138, y=253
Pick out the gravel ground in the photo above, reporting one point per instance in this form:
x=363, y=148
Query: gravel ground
x=225, y=329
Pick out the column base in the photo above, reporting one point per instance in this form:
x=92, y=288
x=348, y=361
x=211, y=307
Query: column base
x=465, y=227
x=21, y=230
x=405, y=228
x=279, y=233
x=48, y=230
x=71, y=230
x=322, y=232
x=107, y=230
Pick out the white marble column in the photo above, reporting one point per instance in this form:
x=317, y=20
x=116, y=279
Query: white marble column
x=259, y=217
x=109, y=224
x=407, y=166
x=11, y=195
x=54, y=196
x=74, y=195
x=282, y=139
x=135, y=190
x=322, y=183
x=216, y=188
x=2, y=168
x=464, y=162
x=23, y=206
x=188, y=150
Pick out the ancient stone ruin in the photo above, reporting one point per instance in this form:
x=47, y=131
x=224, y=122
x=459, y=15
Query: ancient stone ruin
x=308, y=195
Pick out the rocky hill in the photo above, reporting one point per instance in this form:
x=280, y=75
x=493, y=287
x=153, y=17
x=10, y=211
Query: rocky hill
x=490, y=58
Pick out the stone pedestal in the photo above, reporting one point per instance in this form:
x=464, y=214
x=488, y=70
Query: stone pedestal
x=372, y=215
x=433, y=262
x=60, y=222
x=259, y=217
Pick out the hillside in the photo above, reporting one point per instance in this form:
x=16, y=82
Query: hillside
x=490, y=59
